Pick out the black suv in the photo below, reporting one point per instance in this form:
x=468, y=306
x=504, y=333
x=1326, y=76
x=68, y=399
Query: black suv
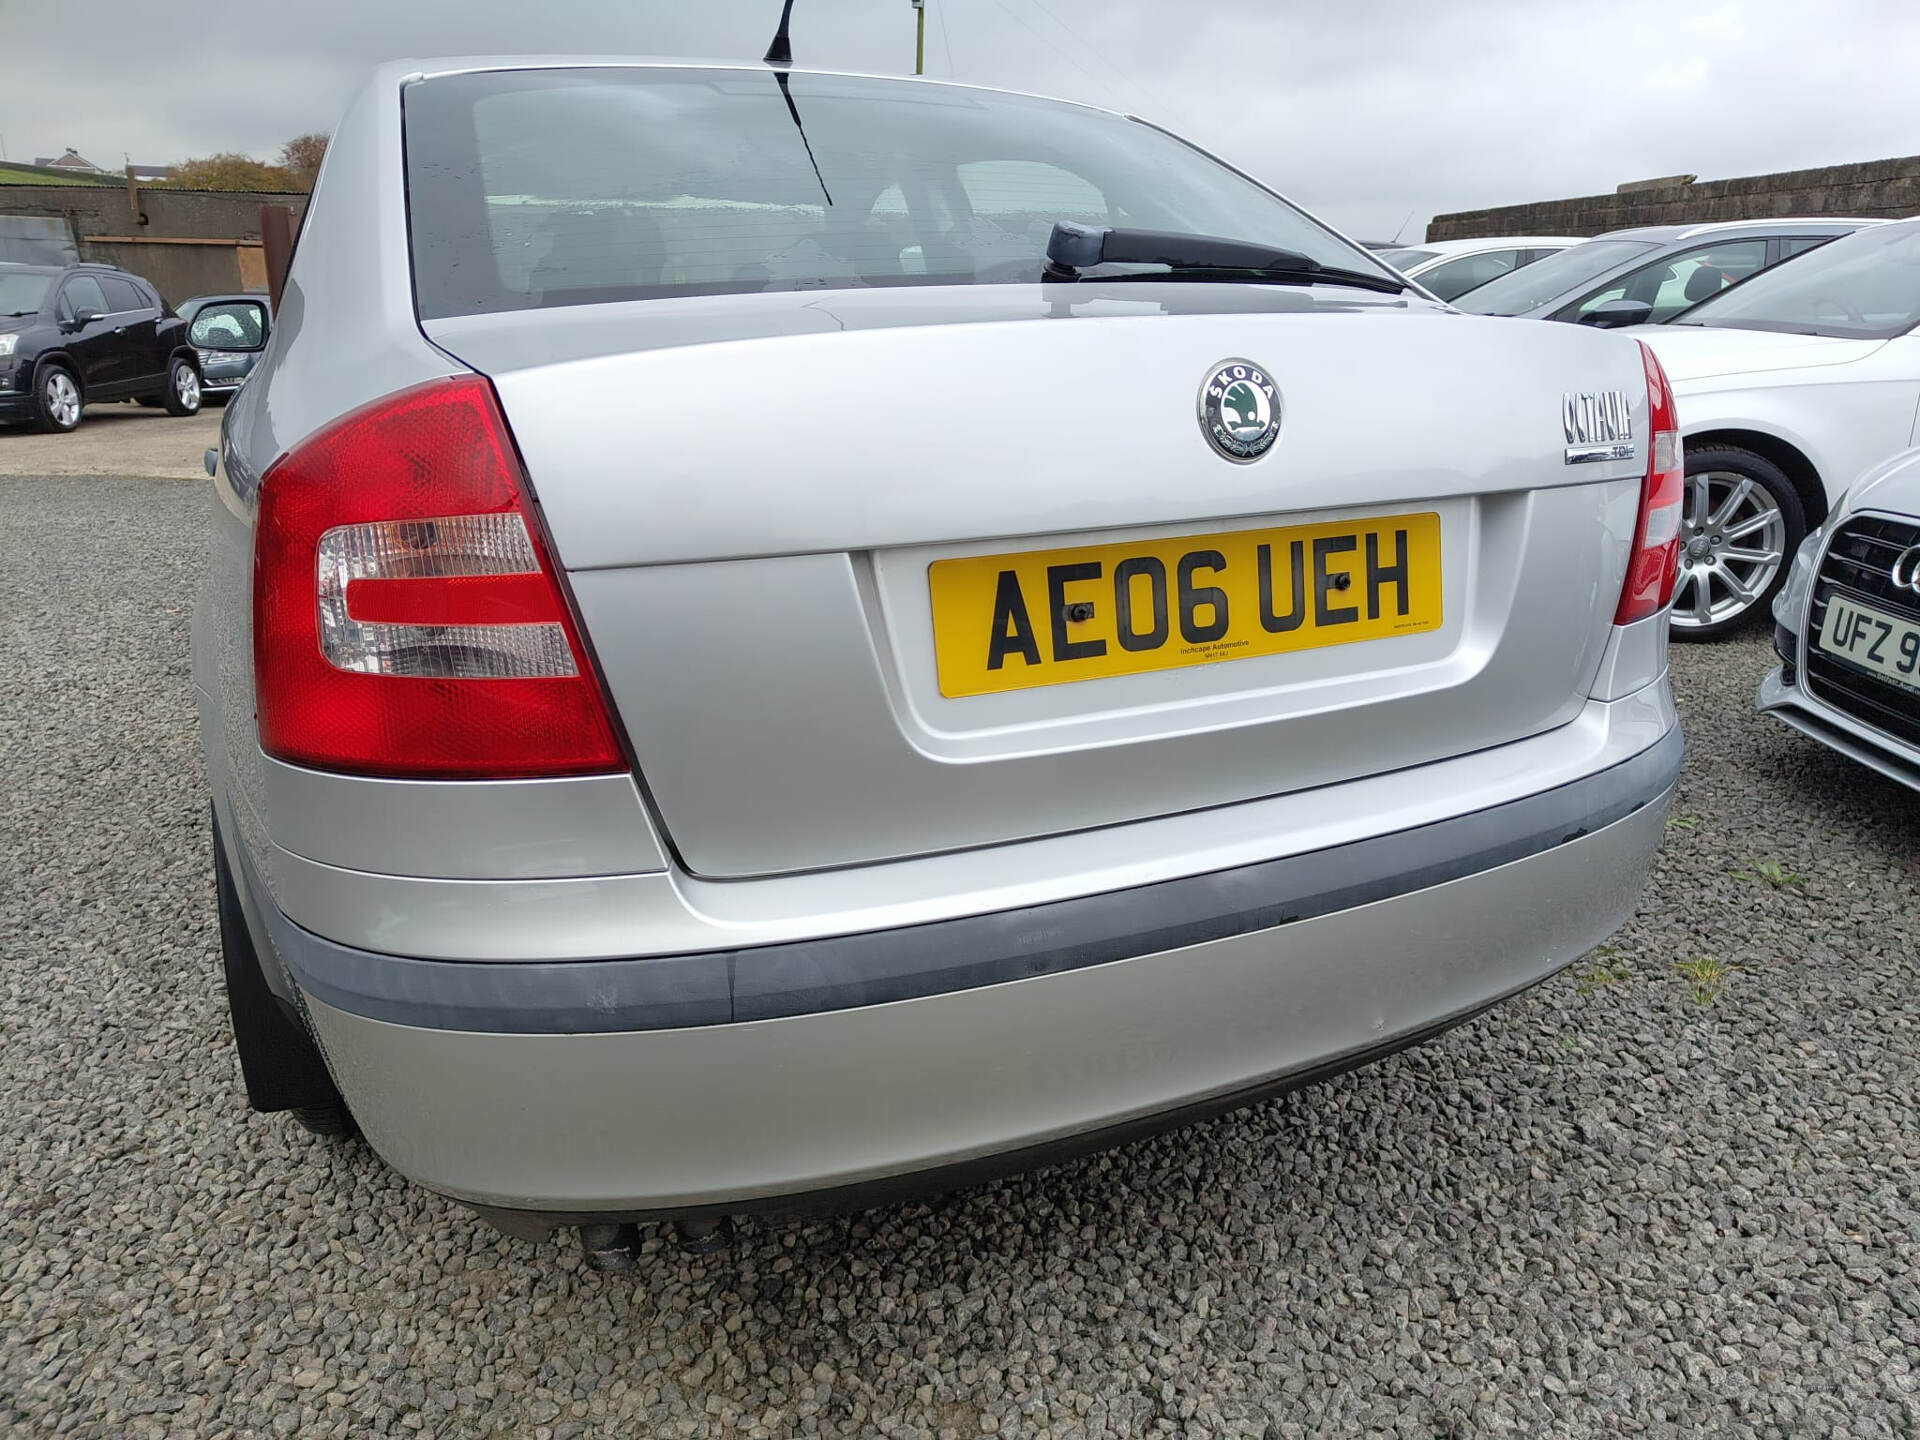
x=74, y=334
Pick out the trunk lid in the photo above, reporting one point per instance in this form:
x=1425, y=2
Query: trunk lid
x=1699, y=352
x=760, y=501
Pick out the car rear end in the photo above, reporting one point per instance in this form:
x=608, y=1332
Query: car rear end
x=742, y=692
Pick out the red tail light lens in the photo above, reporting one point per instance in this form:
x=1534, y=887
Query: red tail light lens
x=1656, y=534
x=407, y=620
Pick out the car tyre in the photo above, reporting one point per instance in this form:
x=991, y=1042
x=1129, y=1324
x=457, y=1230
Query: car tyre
x=183, y=388
x=57, y=400
x=1741, y=521
x=332, y=1120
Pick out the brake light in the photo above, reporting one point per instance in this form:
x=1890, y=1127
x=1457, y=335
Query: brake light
x=407, y=620
x=1656, y=533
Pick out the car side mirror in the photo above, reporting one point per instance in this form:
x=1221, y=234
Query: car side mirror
x=1618, y=314
x=80, y=319
x=202, y=333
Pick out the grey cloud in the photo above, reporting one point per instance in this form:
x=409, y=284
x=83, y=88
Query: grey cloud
x=1364, y=111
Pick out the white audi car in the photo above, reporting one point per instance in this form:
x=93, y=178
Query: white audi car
x=1847, y=627
x=772, y=636
x=1792, y=384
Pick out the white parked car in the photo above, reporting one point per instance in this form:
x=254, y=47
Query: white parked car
x=1450, y=268
x=1791, y=385
x=1847, y=627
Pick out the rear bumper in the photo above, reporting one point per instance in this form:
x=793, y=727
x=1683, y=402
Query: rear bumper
x=1790, y=704
x=596, y=1087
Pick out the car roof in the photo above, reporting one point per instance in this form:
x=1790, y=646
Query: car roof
x=1490, y=242
x=79, y=267
x=407, y=71
x=1802, y=224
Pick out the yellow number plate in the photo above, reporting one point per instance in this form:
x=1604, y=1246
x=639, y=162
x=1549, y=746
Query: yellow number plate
x=1009, y=622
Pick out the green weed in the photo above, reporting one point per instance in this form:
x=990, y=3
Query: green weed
x=1704, y=976
x=1769, y=872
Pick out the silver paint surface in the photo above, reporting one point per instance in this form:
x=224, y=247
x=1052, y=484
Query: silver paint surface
x=719, y=1113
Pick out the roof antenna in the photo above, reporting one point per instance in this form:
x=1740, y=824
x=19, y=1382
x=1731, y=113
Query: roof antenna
x=1403, y=227
x=780, y=52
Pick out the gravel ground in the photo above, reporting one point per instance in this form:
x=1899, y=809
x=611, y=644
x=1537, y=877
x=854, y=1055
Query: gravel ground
x=119, y=439
x=1628, y=1202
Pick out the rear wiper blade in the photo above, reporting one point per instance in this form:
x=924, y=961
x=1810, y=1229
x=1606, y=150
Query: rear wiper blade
x=1074, y=248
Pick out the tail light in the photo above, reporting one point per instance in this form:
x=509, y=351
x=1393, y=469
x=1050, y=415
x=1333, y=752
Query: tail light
x=407, y=620
x=1656, y=534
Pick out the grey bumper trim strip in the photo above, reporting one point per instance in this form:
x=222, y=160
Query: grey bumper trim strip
x=657, y=992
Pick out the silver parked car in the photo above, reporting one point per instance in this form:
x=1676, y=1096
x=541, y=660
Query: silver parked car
x=1847, y=627
x=1450, y=268
x=1651, y=273
x=773, y=635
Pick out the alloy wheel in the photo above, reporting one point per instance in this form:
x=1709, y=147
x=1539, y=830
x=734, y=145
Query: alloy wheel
x=63, y=399
x=1733, y=541
x=186, y=385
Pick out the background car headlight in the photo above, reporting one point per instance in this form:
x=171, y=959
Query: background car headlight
x=7, y=342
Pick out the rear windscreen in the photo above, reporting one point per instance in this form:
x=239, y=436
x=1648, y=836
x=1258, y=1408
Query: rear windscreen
x=533, y=188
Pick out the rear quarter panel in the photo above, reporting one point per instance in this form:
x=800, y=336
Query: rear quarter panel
x=344, y=334
x=1845, y=420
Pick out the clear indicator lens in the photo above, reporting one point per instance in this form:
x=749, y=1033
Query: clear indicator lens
x=443, y=566
x=1666, y=450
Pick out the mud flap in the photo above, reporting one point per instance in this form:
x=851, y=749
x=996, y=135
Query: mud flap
x=278, y=1059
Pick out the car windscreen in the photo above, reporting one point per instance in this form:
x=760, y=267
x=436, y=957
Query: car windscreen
x=536, y=188
x=1407, y=259
x=22, y=292
x=1534, y=285
x=1863, y=286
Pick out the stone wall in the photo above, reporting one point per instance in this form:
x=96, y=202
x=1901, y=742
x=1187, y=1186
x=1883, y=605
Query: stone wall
x=1872, y=188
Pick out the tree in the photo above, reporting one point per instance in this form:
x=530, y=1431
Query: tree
x=301, y=157
x=230, y=170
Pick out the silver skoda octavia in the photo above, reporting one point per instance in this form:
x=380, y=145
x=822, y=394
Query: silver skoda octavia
x=775, y=636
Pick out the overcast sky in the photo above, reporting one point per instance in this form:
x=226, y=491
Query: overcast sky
x=1362, y=110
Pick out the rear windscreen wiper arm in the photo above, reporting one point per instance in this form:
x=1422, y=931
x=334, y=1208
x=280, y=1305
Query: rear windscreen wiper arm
x=1074, y=248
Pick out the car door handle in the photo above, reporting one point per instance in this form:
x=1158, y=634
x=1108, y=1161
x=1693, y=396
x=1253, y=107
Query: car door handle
x=119, y=329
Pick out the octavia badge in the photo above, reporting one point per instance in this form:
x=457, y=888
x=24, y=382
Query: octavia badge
x=1599, y=426
x=1240, y=410
x=1906, y=569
